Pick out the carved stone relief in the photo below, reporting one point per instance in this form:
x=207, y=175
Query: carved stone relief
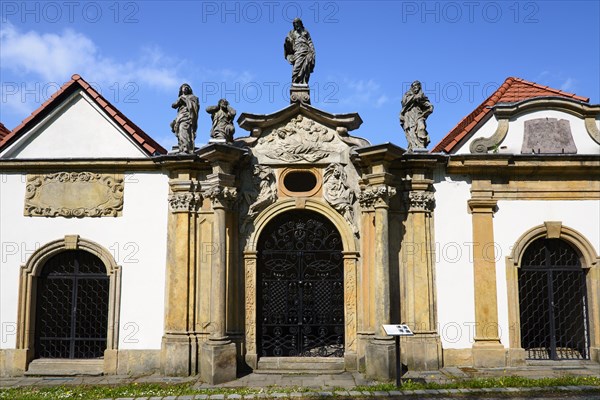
x=74, y=194
x=338, y=193
x=259, y=195
x=301, y=140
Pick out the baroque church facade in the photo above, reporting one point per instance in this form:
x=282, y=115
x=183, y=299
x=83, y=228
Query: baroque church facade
x=290, y=248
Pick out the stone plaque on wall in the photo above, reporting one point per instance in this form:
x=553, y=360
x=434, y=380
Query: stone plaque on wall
x=548, y=136
x=74, y=194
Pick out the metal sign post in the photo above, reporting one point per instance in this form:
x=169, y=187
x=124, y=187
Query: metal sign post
x=397, y=331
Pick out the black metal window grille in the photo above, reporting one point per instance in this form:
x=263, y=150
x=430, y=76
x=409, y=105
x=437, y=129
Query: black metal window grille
x=553, y=302
x=300, y=299
x=72, y=307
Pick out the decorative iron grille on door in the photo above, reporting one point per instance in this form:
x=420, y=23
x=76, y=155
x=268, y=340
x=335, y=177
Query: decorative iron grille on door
x=553, y=302
x=300, y=287
x=72, y=307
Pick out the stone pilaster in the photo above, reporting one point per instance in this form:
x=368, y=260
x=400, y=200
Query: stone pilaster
x=179, y=346
x=418, y=307
x=487, y=349
x=218, y=358
x=380, y=355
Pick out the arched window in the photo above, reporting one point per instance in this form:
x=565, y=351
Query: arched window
x=72, y=307
x=69, y=295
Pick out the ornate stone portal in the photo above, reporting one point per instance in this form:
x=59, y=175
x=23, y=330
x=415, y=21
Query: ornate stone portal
x=244, y=245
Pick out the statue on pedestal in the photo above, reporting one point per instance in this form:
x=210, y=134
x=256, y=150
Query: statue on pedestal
x=415, y=110
x=300, y=52
x=184, y=126
x=222, y=122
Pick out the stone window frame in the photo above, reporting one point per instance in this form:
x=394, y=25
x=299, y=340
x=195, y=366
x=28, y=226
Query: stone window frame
x=28, y=278
x=590, y=263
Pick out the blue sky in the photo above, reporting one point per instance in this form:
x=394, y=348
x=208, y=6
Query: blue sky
x=137, y=53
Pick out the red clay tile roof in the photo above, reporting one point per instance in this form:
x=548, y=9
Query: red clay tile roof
x=3, y=131
x=145, y=142
x=512, y=90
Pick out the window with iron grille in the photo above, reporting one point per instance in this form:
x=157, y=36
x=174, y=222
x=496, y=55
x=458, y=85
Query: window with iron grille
x=72, y=307
x=553, y=302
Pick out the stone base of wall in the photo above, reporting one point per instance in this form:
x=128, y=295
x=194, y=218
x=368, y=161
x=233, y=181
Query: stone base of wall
x=121, y=362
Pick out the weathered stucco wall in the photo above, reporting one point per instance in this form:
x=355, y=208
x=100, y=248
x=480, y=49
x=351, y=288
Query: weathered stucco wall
x=137, y=241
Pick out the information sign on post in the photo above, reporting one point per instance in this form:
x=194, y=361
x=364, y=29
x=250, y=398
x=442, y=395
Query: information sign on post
x=397, y=331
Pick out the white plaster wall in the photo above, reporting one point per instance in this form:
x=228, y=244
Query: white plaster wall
x=514, y=137
x=454, y=267
x=77, y=129
x=514, y=218
x=137, y=241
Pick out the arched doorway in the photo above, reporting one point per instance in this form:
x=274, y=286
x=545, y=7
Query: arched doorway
x=72, y=307
x=300, y=287
x=553, y=302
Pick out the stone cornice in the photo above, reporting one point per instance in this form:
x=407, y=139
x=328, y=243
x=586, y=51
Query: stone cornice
x=256, y=123
x=530, y=165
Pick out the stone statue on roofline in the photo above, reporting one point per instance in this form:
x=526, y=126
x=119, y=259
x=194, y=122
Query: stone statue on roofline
x=184, y=126
x=222, y=129
x=300, y=53
x=416, y=107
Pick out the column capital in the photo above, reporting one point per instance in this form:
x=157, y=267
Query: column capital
x=184, y=196
x=421, y=201
x=376, y=196
x=220, y=189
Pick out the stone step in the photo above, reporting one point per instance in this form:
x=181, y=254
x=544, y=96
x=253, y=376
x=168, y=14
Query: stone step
x=65, y=367
x=300, y=365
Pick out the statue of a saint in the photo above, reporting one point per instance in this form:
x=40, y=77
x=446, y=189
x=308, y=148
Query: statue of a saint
x=222, y=122
x=415, y=110
x=184, y=126
x=300, y=52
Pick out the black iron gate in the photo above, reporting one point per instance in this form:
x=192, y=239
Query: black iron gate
x=72, y=307
x=300, y=299
x=553, y=302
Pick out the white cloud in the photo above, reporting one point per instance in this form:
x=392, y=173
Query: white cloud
x=568, y=85
x=363, y=92
x=55, y=57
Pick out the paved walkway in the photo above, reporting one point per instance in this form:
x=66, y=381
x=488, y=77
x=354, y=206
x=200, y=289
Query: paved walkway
x=341, y=384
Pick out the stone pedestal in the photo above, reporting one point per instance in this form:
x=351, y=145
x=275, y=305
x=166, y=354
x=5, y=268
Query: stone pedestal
x=300, y=94
x=380, y=358
x=422, y=352
x=176, y=355
x=218, y=362
x=488, y=354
